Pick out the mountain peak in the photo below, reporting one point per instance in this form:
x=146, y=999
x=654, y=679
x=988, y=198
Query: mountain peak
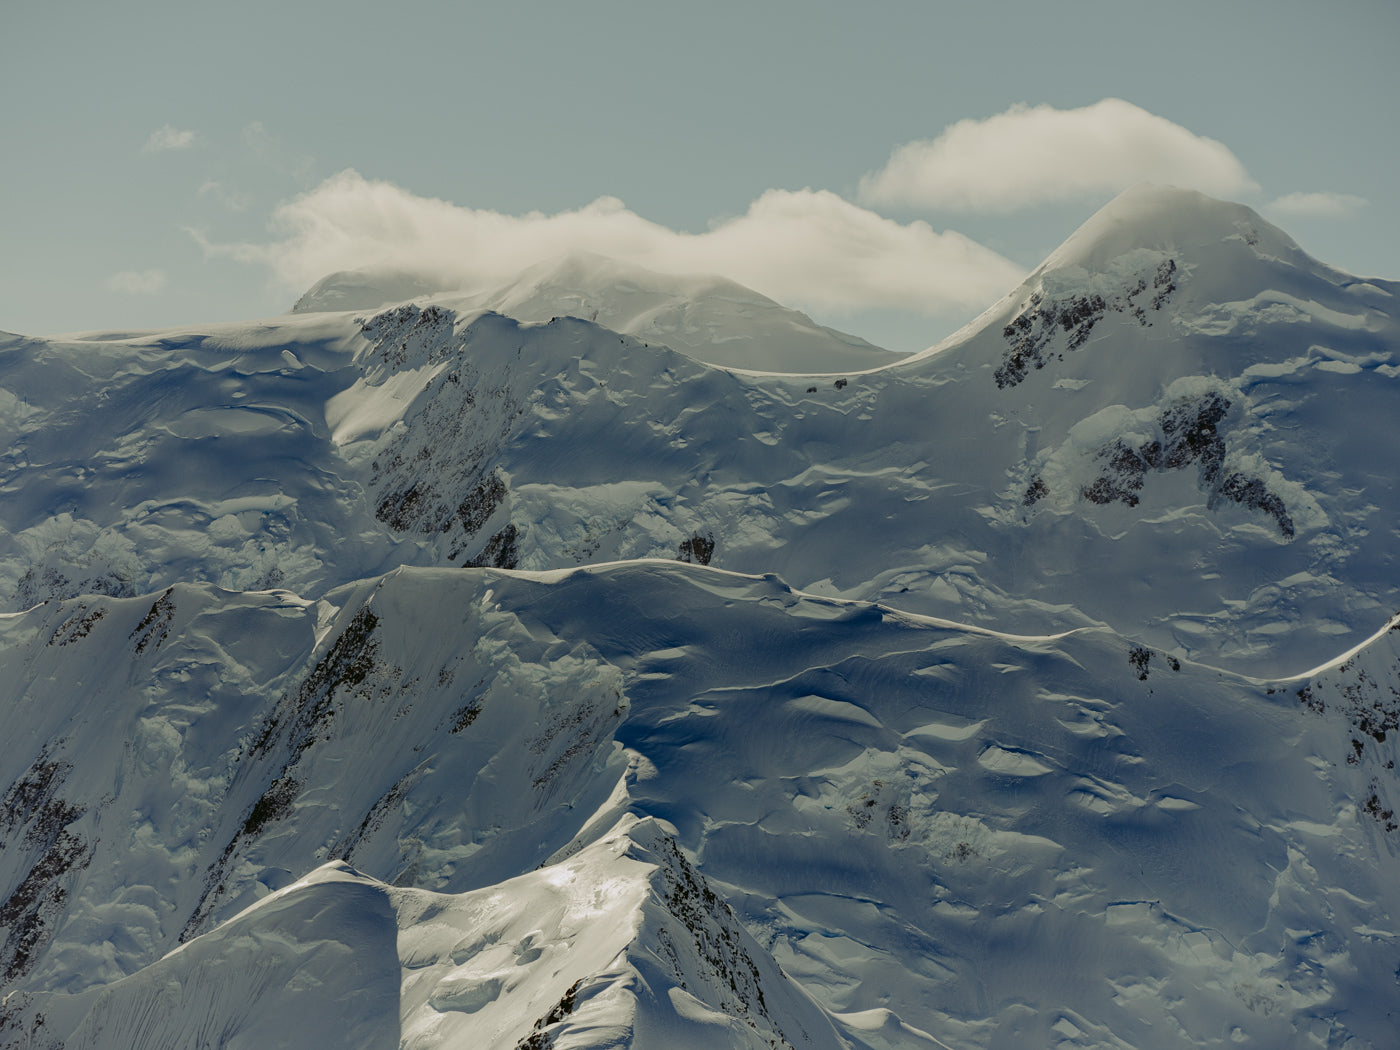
x=1170, y=219
x=705, y=316
x=589, y=283
x=594, y=270
x=364, y=290
x=1153, y=245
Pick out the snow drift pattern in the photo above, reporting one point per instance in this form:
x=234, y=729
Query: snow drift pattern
x=422, y=674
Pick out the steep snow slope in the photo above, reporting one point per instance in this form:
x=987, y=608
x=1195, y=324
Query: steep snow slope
x=582, y=830
x=705, y=317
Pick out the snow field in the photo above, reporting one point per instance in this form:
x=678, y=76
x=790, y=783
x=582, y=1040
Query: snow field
x=356, y=693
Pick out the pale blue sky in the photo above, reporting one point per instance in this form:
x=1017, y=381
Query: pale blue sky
x=127, y=125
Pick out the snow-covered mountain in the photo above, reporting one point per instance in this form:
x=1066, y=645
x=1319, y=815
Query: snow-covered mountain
x=709, y=318
x=1133, y=438
x=444, y=672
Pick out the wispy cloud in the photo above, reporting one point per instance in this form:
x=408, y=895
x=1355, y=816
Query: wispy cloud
x=1034, y=154
x=137, y=282
x=167, y=137
x=1321, y=205
x=233, y=200
x=802, y=247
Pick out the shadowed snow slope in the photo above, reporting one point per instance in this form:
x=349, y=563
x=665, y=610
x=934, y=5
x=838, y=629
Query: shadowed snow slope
x=581, y=828
x=430, y=675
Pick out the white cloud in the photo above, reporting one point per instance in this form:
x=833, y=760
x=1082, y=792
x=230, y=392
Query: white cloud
x=137, y=282
x=167, y=137
x=1323, y=205
x=804, y=248
x=1033, y=154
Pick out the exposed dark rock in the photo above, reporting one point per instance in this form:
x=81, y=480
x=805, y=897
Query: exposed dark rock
x=1140, y=658
x=1031, y=335
x=350, y=671
x=481, y=503
x=1370, y=703
x=539, y=1038
x=1122, y=480
x=1254, y=494
x=31, y=792
x=872, y=803
x=346, y=665
x=502, y=551
x=154, y=627
x=374, y=819
x=962, y=853
x=275, y=803
x=438, y=475
x=698, y=549
x=723, y=959
x=399, y=332
x=1035, y=492
x=1374, y=808
x=1190, y=435
x=464, y=716
x=77, y=626
x=28, y=912
x=1308, y=699
x=41, y=584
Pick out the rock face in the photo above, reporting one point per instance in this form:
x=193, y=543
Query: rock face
x=1033, y=334
x=427, y=674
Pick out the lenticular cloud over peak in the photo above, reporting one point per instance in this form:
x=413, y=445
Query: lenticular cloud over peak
x=1034, y=154
x=809, y=247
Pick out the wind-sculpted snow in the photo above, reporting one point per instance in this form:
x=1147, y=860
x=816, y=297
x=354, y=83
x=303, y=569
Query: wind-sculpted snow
x=560, y=446
x=1197, y=471
x=425, y=675
x=179, y=456
x=682, y=823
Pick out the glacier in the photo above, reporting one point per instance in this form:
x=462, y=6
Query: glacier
x=584, y=664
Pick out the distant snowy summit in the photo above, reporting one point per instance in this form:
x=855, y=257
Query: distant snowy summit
x=706, y=317
x=364, y=290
